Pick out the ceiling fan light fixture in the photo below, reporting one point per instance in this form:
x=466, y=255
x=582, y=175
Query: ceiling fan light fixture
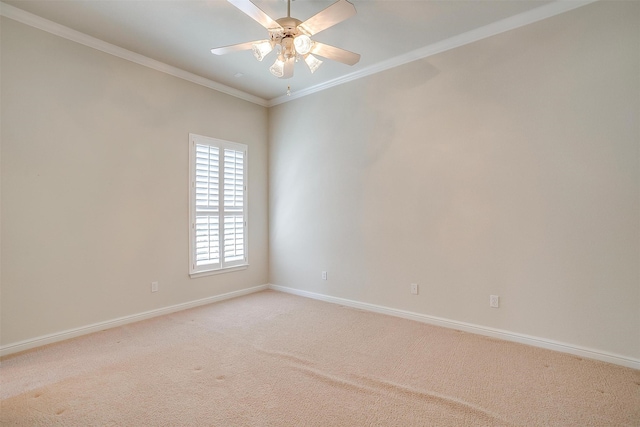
x=277, y=69
x=313, y=62
x=302, y=43
x=261, y=49
x=291, y=38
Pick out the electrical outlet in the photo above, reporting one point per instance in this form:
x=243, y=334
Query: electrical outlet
x=414, y=288
x=324, y=275
x=154, y=286
x=494, y=301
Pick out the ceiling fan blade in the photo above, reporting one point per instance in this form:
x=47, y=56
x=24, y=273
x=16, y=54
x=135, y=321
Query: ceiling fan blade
x=335, y=53
x=256, y=13
x=233, y=48
x=337, y=12
x=288, y=68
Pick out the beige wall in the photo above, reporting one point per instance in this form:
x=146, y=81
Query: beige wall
x=95, y=185
x=508, y=166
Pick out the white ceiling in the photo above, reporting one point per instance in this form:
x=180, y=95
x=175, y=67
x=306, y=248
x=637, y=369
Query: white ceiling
x=181, y=33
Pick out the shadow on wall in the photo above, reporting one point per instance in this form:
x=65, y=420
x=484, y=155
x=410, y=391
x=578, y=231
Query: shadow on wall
x=384, y=118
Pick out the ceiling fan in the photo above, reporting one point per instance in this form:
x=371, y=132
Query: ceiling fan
x=291, y=38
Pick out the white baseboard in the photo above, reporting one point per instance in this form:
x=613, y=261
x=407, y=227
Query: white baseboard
x=468, y=327
x=100, y=326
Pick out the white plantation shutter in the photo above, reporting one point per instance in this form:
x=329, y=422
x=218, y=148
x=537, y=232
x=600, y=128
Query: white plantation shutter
x=207, y=220
x=233, y=225
x=217, y=204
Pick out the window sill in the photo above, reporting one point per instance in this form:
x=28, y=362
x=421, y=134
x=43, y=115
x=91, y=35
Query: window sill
x=218, y=271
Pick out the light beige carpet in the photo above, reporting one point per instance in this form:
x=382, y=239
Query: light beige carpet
x=273, y=359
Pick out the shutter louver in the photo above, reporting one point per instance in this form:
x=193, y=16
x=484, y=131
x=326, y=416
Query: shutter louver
x=207, y=240
x=207, y=172
x=233, y=180
x=233, y=238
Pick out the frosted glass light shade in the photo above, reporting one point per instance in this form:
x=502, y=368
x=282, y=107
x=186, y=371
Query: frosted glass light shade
x=302, y=44
x=313, y=62
x=277, y=69
x=261, y=49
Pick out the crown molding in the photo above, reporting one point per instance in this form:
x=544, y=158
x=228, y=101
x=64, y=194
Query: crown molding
x=540, y=13
x=507, y=24
x=35, y=21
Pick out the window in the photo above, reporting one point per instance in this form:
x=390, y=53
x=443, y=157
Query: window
x=217, y=205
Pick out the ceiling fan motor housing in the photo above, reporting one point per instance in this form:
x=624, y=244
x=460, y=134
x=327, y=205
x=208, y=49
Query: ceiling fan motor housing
x=285, y=36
